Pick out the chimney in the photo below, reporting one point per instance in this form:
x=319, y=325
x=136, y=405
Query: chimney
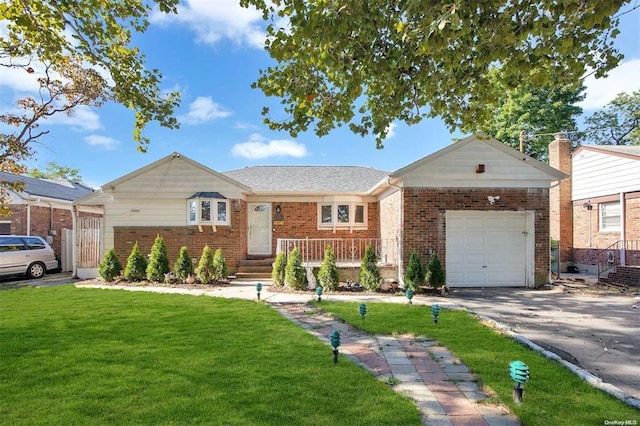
x=560, y=205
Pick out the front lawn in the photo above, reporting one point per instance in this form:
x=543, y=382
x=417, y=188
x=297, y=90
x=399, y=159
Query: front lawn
x=552, y=396
x=87, y=356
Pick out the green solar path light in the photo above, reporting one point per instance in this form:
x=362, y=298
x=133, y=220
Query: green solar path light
x=319, y=293
x=519, y=373
x=435, y=310
x=259, y=289
x=409, y=294
x=363, y=310
x=334, y=338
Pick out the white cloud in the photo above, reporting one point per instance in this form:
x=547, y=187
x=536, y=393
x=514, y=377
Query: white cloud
x=215, y=20
x=82, y=119
x=104, y=142
x=202, y=110
x=391, y=130
x=601, y=91
x=258, y=147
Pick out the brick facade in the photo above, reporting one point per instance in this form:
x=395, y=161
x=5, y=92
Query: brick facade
x=424, y=218
x=560, y=206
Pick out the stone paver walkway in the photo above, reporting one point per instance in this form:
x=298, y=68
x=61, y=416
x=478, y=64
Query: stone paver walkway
x=444, y=389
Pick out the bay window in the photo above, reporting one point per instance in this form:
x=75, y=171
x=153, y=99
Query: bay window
x=207, y=208
x=342, y=214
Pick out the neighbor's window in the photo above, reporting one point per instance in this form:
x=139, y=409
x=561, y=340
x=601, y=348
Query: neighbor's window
x=342, y=215
x=5, y=227
x=212, y=209
x=610, y=216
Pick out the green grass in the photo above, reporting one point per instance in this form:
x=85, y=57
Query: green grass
x=87, y=356
x=553, y=395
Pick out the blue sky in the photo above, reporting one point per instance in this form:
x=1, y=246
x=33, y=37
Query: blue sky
x=211, y=52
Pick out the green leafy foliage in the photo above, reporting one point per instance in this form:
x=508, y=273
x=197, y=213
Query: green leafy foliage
x=219, y=266
x=136, y=269
x=369, y=275
x=159, y=261
x=328, y=276
x=368, y=64
x=184, y=266
x=435, y=273
x=294, y=273
x=415, y=273
x=279, y=265
x=56, y=171
x=205, y=272
x=618, y=123
x=110, y=267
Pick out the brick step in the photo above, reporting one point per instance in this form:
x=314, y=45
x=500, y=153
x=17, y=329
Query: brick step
x=265, y=261
x=253, y=275
x=624, y=275
x=255, y=268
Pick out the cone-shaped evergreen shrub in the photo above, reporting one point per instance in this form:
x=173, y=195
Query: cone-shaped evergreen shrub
x=110, y=267
x=277, y=275
x=159, y=261
x=136, y=269
x=294, y=273
x=328, y=276
x=205, y=271
x=184, y=266
x=369, y=276
x=415, y=273
x=435, y=273
x=219, y=266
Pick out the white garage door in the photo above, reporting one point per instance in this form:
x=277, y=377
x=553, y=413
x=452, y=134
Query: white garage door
x=486, y=249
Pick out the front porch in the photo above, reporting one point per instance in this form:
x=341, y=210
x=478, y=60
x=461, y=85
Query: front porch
x=349, y=251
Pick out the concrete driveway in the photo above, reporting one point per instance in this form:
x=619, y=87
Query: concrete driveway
x=598, y=332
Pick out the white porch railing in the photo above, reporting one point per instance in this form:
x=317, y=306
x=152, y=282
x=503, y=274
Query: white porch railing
x=348, y=251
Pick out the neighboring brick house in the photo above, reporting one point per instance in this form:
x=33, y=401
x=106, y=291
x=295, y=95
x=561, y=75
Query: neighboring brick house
x=597, y=211
x=44, y=208
x=480, y=205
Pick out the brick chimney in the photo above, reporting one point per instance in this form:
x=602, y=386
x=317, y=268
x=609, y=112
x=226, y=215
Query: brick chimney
x=560, y=205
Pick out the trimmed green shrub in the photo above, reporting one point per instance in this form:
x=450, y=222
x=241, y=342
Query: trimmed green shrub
x=294, y=273
x=279, y=265
x=415, y=273
x=136, y=269
x=219, y=266
x=110, y=267
x=435, y=273
x=205, y=271
x=184, y=266
x=369, y=275
x=328, y=276
x=159, y=262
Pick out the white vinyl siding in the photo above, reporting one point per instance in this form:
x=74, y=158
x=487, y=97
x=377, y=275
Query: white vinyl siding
x=609, y=217
x=598, y=174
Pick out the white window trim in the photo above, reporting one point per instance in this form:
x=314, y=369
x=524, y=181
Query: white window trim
x=334, y=224
x=214, y=212
x=602, y=227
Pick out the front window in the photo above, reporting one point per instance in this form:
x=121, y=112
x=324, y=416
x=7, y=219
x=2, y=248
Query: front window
x=210, y=208
x=331, y=215
x=610, y=217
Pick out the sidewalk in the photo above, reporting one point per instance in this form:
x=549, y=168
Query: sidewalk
x=444, y=389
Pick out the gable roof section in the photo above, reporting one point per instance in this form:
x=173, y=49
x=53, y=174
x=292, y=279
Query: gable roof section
x=309, y=179
x=628, y=151
x=455, y=166
x=59, y=189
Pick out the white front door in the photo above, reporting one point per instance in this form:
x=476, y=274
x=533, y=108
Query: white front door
x=259, y=228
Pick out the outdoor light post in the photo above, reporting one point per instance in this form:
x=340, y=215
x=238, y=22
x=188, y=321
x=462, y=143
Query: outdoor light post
x=409, y=294
x=519, y=373
x=435, y=310
x=363, y=310
x=319, y=293
x=334, y=338
x=259, y=289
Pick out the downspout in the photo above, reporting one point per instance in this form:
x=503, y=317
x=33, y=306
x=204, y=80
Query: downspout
x=623, y=234
x=28, y=231
x=74, y=230
x=399, y=232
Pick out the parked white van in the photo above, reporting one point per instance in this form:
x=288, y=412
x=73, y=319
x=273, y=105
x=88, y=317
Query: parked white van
x=23, y=254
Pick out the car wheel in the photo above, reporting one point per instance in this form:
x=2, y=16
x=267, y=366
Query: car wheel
x=35, y=270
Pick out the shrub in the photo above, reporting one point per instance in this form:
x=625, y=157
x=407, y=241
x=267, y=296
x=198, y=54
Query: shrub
x=415, y=273
x=294, y=273
x=277, y=275
x=110, y=267
x=328, y=276
x=205, y=270
x=369, y=276
x=159, y=261
x=184, y=266
x=435, y=274
x=219, y=266
x=136, y=269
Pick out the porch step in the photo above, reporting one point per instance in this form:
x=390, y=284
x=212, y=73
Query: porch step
x=253, y=275
x=624, y=275
x=255, y=268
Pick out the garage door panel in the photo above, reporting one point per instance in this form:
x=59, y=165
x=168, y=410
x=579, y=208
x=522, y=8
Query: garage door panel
x=474, y=259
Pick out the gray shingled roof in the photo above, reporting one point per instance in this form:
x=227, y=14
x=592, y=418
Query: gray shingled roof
x=64, y=190
x=312, y=179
